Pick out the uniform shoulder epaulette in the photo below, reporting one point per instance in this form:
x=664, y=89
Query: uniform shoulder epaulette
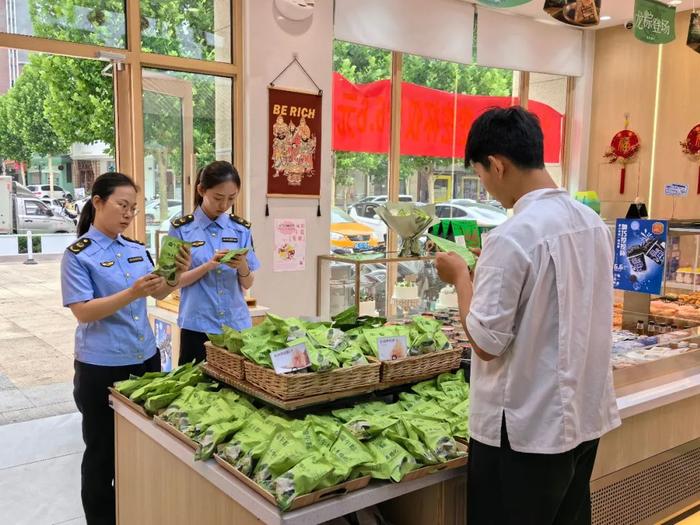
x=180, y=221
x=79, y=245
x=239, y=220
x=132, y=240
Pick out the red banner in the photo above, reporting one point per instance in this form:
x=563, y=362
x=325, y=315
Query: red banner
x=362, y=119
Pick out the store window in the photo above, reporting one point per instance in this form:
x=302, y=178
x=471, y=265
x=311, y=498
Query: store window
x=361, y=135
x=187, y=124
x=58, y=115
x=100, y=22
x=439, y=100
x=547, y=95
x=198, y=29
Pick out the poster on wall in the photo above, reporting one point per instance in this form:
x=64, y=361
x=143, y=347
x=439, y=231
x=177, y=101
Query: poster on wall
x=164, y=342
x=640, y=254
x=294, y=134
x=581, y=13
x=290, y=245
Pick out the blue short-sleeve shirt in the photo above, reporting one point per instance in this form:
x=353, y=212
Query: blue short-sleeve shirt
x=99, y=266
x=217, y=298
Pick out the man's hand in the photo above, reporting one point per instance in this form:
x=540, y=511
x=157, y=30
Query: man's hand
x=452, y=269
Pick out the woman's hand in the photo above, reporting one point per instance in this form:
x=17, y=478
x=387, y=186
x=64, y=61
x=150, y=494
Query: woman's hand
x=183, y=261
x=147, y=285
x=213, y=263
x=240, y=263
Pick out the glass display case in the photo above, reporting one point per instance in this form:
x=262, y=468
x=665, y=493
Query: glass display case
x=380, y=284
x=656, y=338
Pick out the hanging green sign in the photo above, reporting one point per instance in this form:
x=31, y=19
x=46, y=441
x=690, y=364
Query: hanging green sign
x=654, y=22
x=694, y=32
x=503, y=3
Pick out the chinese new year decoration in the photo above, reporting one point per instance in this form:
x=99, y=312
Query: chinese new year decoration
x=623, y=149
x=691, y=147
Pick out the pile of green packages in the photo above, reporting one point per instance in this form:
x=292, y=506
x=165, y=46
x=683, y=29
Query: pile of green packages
x=208, y=418
x=328, y=347
x=293, y=457
x=343, y=342
x=422, y=334
x=156, y=390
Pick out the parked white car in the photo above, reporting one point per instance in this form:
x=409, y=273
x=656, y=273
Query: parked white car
x=32, y=214
x=152, y=210
x=44, y=190
x=485, y=215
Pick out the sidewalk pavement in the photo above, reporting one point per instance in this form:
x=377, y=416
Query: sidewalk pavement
x=36, y=342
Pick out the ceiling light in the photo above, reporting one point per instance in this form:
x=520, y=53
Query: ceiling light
x=675, y=2
x=605, y=18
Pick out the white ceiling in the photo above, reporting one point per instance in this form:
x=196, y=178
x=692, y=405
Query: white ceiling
x=620, y=11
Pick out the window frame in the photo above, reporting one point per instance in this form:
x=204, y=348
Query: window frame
x=128, y=63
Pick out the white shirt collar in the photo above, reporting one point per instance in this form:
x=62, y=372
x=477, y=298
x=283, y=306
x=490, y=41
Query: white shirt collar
x=535, y=195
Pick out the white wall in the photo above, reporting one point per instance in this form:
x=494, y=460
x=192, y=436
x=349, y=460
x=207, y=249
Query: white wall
x=270, y=41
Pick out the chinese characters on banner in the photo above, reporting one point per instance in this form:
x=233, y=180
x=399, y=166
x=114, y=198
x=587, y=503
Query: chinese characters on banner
x=654, y=22
x=294, y=162
x=290, y=245
x=640, y=254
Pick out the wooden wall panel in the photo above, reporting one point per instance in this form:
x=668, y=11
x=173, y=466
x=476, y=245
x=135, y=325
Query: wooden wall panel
x=625, y=81
x=679, y=111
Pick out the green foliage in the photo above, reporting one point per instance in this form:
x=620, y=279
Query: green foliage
x=22, y=244
x=26, y=115
x=63, y=100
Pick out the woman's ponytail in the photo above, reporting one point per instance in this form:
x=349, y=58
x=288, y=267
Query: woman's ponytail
x=198, y=199
x=87, y=217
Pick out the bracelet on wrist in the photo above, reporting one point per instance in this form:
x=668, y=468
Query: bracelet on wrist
x=244, y=276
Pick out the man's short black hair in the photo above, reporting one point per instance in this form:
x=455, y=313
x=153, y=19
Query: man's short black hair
x=513, y=133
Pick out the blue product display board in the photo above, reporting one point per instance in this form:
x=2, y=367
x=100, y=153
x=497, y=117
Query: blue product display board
x=640, y=254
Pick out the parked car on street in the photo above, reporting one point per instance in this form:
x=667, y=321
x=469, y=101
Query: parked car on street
x=348, y=234
x=483, y=214
x=152, y=210
x=44, y=190
x=31, y=214
x=18, y=189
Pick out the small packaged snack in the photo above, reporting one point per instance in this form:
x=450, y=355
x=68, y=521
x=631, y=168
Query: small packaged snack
x=169, y=248
x=301, y=479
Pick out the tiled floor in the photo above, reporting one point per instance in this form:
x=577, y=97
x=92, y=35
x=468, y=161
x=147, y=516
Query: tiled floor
x=36, y=342
x=40, y=472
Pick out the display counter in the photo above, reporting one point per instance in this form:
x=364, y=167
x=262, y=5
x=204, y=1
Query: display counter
x=646, y=470
x=158, y=482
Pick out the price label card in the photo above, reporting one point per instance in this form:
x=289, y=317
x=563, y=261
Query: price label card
x=391, y=348
x=290, y=359
x=676, y=190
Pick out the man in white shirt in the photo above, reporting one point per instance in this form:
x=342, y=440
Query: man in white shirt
x=539, y=317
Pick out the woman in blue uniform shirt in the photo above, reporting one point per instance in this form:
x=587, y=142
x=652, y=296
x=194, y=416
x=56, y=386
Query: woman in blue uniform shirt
x=105, y=279
x=213, y=294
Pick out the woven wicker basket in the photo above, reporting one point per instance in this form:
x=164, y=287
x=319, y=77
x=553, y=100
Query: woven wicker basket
x=306, y=384
x=420, y=367
x=224, y=360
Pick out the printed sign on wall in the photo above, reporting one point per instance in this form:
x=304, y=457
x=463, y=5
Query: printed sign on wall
x=640, y=254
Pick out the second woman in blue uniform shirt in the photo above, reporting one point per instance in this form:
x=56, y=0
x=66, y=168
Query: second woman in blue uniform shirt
x=213, y=294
